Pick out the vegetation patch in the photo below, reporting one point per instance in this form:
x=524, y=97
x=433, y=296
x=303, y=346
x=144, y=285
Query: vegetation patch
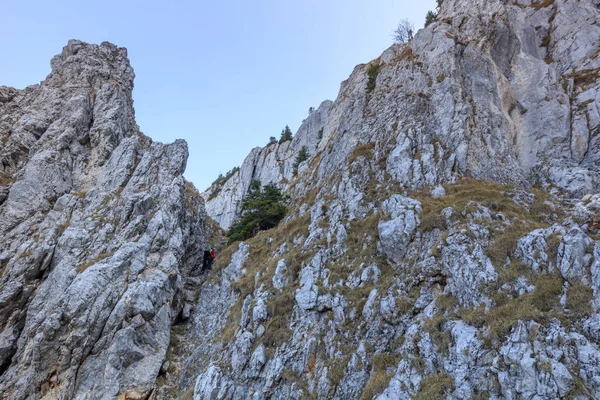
x=579, y=297
x=262, y=209
x=286, y=135
x=497, y=198
x=300, y=158
x=372, y=73
x=585, y=77
x=6, y=179
x=192, y=197
x=320, y=134
x=365, y=150
x=91, y=262
x=541, y=305
x=337, y=369
x=435, y=387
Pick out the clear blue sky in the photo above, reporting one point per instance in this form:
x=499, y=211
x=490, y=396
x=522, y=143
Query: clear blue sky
x=223, y=75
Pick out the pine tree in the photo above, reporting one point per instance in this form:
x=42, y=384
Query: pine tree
x=300, y=158
x=286, y=135
x=262, y=209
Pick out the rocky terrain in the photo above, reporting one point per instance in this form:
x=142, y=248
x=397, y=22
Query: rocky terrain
x=442, y=240
x=98, y=232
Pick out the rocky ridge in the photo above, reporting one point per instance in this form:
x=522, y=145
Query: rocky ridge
x=99, y=232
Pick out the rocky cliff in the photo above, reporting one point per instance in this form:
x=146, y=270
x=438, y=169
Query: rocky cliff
x=443, y=240
x=98, y=229
x=494, y=90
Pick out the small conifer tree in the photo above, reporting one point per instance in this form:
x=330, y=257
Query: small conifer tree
x=300, y=158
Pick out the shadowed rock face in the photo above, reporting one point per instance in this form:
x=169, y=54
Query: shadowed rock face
x=98, y=234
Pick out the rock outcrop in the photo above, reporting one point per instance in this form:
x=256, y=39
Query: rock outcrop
x=99, y=231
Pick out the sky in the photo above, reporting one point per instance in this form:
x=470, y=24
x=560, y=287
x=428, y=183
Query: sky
x=223, y=75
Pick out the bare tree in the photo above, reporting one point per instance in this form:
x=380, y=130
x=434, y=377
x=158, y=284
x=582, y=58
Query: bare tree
x=404, y=31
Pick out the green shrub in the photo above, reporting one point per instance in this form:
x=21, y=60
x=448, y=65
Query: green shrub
x=300, y=158
x=430, y=18
x=320, y=134
x=372, y=73
x=262, y=209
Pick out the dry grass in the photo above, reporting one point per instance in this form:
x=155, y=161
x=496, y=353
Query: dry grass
x=80, y=193
x=579, y=297
x=504, y=245
x=406, y=54
x=432, y=221
x=91, y=262
x=537, y=5
x=63, y=227
x=337, y=369
x=552, y=244
x=497, y=198
x=439, y=335
x=435, y=387
x=188, y=394
x=513, y=272
x=192, y=198
x=378, y=382
x=259, y=270
x=224, y=258
x=585, y=78
x=6, y=179
x=365, y=150
x=541, y=305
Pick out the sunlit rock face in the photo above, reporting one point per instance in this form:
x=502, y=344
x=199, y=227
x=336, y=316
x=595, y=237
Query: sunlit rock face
x=442, y=240
x=97, y=234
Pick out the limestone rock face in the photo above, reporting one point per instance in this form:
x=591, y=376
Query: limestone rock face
x=493, y=90
x=99, y=231
x=442, y=239
x=271, y=164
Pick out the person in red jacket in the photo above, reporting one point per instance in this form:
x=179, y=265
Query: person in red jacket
x=213, y=255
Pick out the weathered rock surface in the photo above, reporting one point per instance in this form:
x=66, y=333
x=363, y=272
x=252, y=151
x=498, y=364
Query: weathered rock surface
x=394, y=276
x=99, y=231
x=419, y=256
x=494, y=90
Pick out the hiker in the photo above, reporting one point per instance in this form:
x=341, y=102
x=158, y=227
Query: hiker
x=212, y=256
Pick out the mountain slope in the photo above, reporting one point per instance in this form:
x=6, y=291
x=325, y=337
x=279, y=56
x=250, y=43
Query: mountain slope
x=442, y=241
